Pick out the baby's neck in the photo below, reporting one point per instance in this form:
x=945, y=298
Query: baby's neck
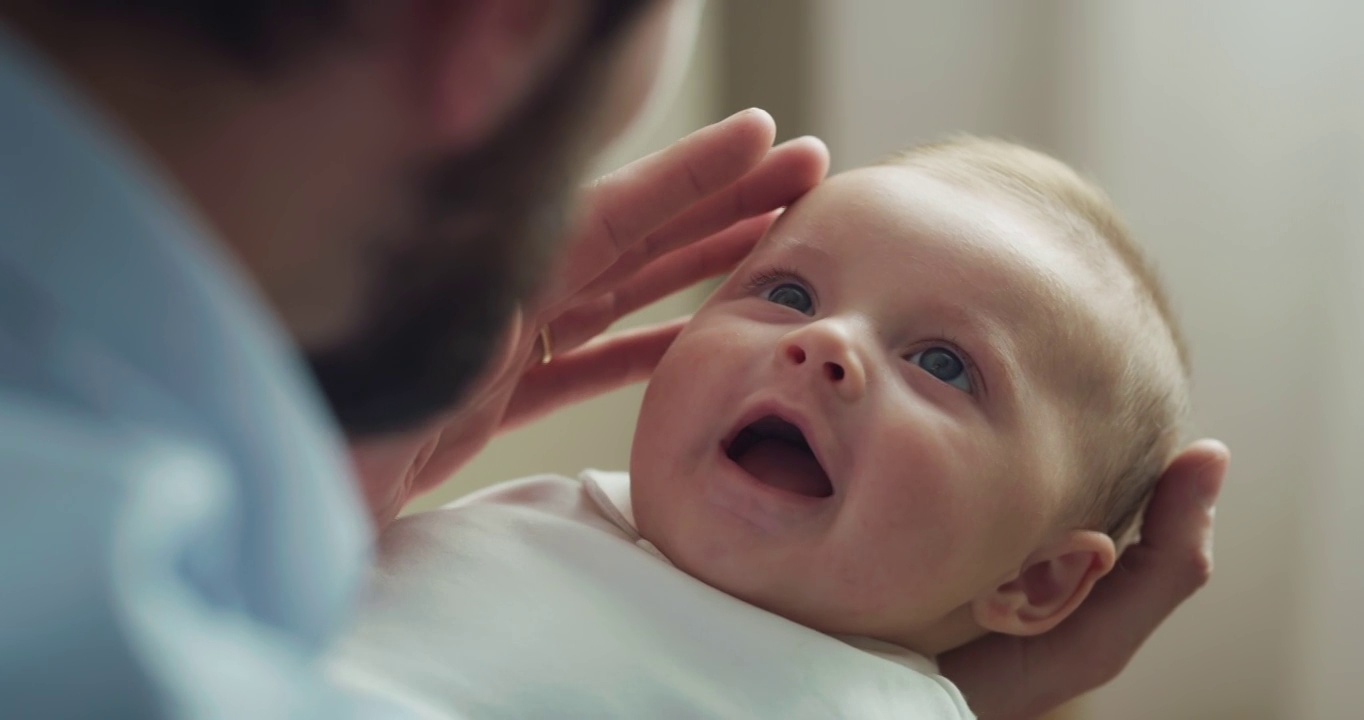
x=949, y=632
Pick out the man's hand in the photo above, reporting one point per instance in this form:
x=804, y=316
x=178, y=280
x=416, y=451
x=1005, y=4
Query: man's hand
x=662, y=223
x=1014, y=677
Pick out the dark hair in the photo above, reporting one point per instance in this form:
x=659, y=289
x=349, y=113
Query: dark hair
x=492, y=219
x=264, y=32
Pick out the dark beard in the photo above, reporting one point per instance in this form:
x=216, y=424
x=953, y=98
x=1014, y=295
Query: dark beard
x=445, y=290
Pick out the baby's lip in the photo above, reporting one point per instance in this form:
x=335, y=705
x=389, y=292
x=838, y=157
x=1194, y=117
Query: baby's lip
x=787, y=413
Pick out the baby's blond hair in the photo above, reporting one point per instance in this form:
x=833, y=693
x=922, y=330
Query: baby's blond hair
x=1137, y=396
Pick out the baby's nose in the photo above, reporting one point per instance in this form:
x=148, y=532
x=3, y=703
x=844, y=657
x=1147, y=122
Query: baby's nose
x=828, y=349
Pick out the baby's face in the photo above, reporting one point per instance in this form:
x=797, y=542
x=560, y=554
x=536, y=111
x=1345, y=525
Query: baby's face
x=858, y=430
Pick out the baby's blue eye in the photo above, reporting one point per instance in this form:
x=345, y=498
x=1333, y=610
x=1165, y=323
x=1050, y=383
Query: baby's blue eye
x=944, y=365
x=792, y=296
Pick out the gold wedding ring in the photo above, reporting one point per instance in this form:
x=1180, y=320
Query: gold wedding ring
x=546, y=346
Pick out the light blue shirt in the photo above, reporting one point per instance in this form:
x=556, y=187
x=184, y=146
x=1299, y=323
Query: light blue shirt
x=179, y=532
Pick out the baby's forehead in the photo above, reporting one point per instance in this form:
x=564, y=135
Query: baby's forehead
x=1053, y=288
x=897, y=214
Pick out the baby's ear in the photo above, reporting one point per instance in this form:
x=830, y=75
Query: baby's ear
x=1051, y=584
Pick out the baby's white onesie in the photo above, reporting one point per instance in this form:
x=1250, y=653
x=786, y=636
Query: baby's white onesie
x=538, y=599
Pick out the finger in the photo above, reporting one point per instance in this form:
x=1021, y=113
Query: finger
x=385, y=468
x=625, y=206
x=464, y=434
x=609, y=363
x=789, y=171
x=1185, y=495
x=669, y=274
x=1174, y=556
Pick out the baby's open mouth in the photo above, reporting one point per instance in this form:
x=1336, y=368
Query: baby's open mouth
x=776, y=453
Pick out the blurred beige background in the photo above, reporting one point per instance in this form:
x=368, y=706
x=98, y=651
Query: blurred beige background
x=1232, y=135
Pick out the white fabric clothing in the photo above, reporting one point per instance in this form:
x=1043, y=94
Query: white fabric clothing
x=538, y=599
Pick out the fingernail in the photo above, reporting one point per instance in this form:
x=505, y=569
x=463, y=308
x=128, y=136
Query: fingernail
x=803, y=139
x=1206, y=495
x=1207, y=537
x=753, y=111
x=1205, y=490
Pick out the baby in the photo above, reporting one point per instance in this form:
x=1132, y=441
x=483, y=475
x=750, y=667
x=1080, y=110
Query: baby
x=927, y=407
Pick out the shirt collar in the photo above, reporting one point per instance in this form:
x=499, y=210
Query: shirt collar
x=610, y=495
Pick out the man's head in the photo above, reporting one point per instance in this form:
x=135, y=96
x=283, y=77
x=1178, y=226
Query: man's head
x=922, y=408
x=393, y=175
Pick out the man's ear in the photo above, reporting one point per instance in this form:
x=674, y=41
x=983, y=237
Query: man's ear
x=1052, y=582
x=473, y=62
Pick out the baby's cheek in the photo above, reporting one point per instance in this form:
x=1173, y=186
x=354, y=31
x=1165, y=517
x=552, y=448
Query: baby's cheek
x=893, y=572
x=919, y=514
x=917, y=480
